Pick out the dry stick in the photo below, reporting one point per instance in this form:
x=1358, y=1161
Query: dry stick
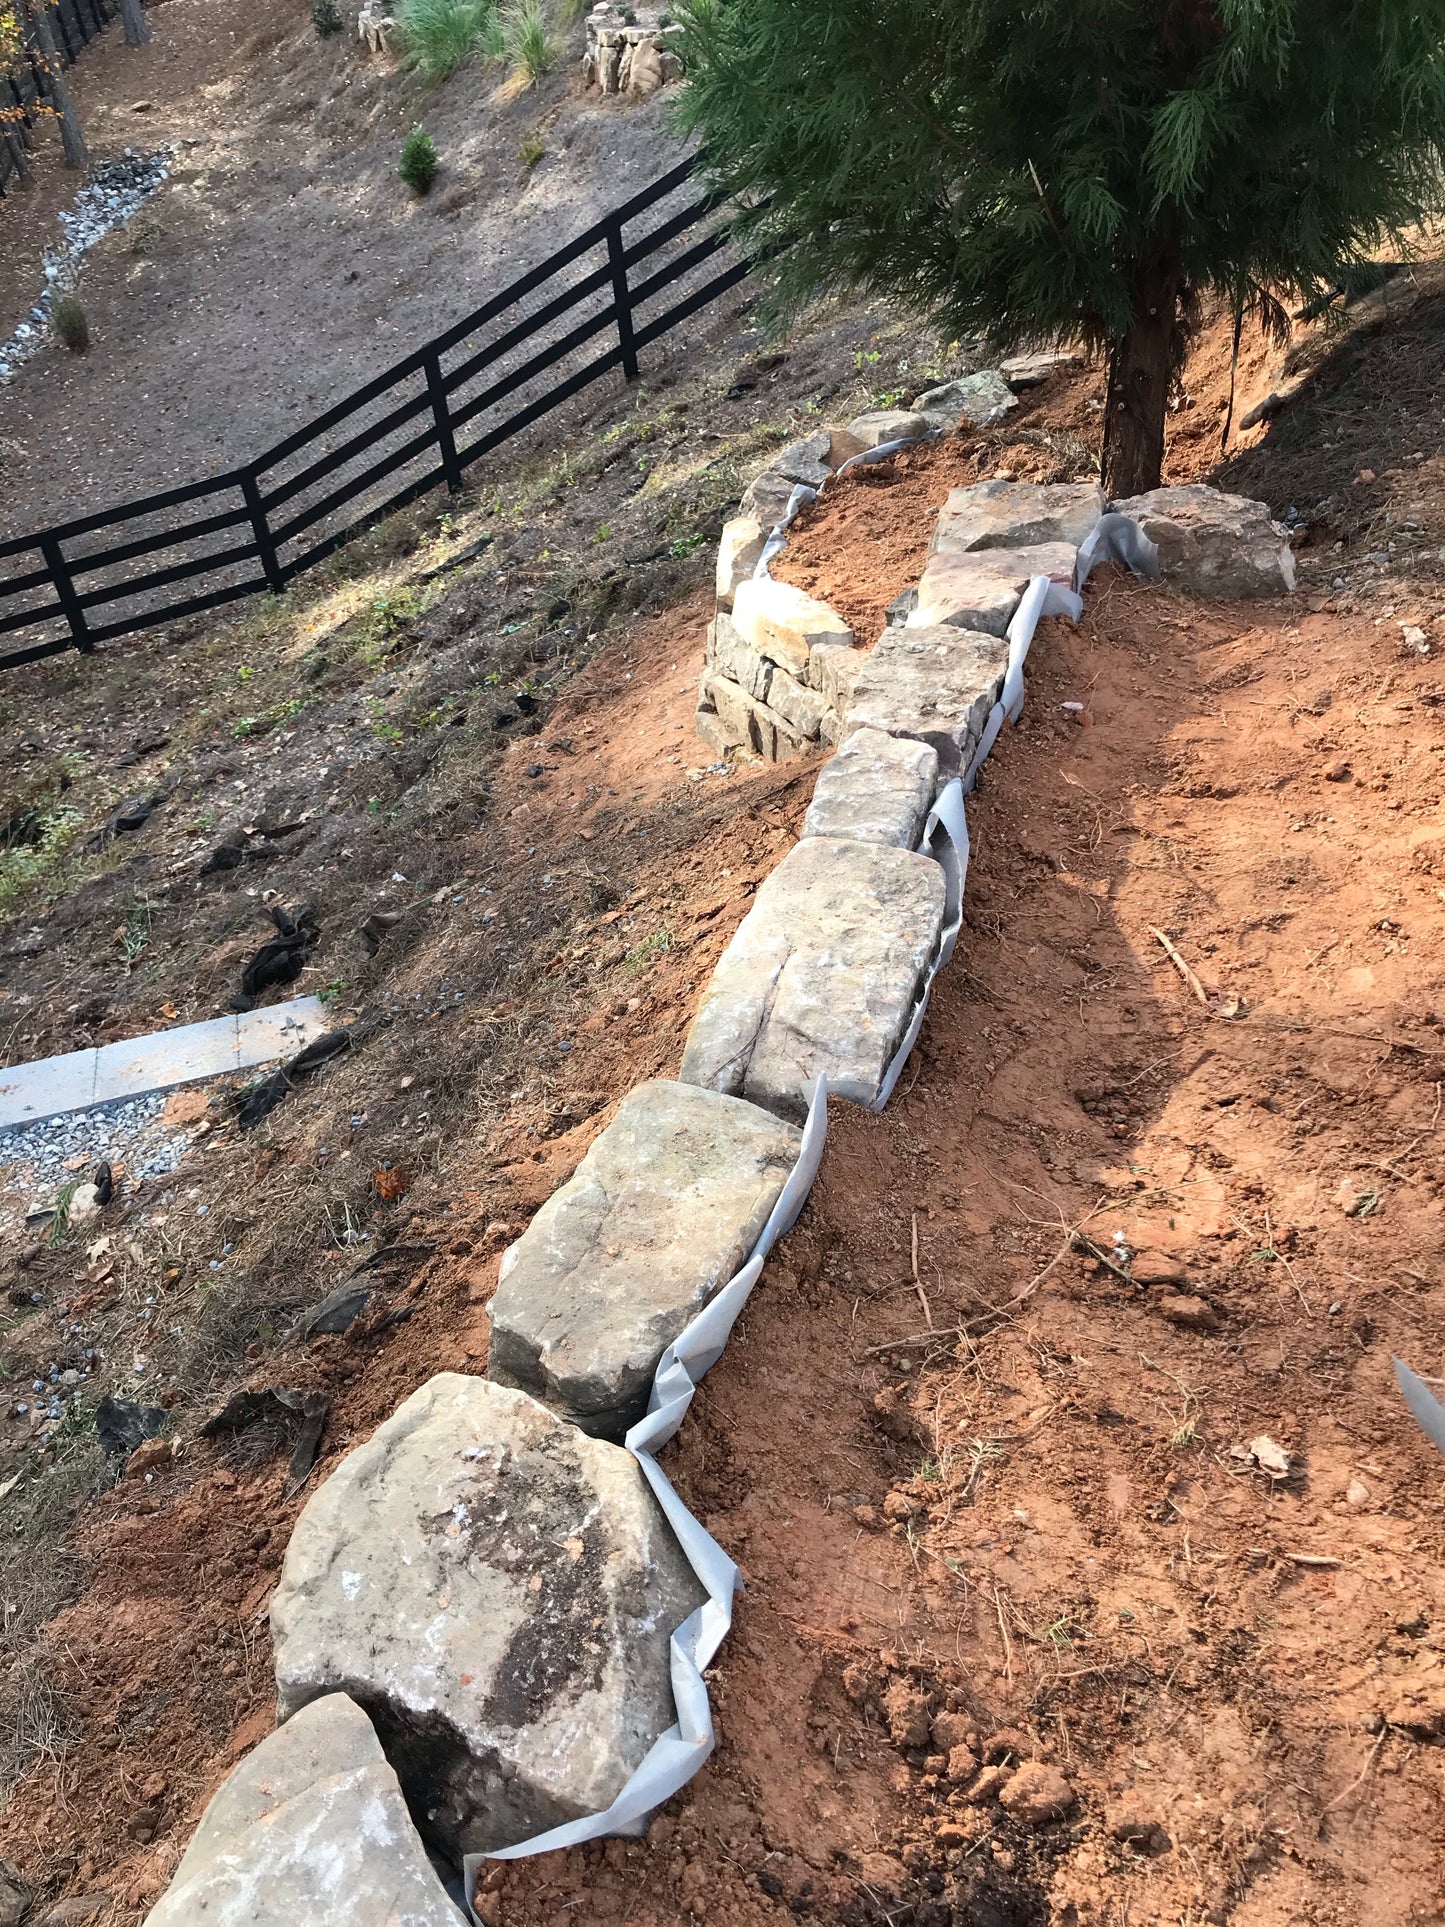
x=917, y=1282
x=1072, y=1232
x=1008, y=1651
x=1179, y=964
x=1361, y=1776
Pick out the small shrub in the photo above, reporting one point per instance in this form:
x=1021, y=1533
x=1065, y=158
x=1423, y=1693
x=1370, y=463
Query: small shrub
x=530, y=45
x=439, y=34
x=531, y=151
x=419, y=163
x=72, y=330
x=326, y=18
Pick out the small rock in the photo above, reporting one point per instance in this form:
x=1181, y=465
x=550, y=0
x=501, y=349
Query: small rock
x=1269, y=1457
x=900, y=1507
x=15, y=1896
x=149, y=1457
x=1193, y=1314
x=72, y=1912
x=1151, y=1267
x=905, y=1707
x=989, y=1784
x=1357, y=1492
x=1338, y=773
x=962, y=1763
x=867, y=1517
x=1036, y=1794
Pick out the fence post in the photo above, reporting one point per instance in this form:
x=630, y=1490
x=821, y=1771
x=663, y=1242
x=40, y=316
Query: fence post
x=436, y=388
x=261, y=528
x=65, y=590
x=621, y=298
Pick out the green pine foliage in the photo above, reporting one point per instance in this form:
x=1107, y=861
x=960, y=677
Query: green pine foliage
x=68, y=320
x=326, y=18
x=1031, y=168
x=418, y=166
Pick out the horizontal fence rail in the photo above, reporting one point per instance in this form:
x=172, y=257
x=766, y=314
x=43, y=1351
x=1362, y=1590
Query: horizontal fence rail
x=75, y=23
x=585, y=311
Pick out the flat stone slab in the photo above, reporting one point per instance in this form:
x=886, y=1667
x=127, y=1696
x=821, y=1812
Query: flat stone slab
x=159, y=1062
x=934, y=685
x=877, y=789
x=310, y=1827
x=662, y=1211
x=982, y=589
x=1028, y=371
x=980, y=400
x=882, y=425
x=1215, y=544
x=821, y=976
x=745, y=723
x=785, y=624
x=1016, y=515
x=814, y=460
x=497, y=1591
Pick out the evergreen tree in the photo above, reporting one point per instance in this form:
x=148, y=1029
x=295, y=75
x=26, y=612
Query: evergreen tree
x=1087, y=168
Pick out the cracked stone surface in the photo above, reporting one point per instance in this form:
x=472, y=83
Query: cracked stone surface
x=497, y=1591
x=738, y=554
x=1016, y=515
x=310, y=1827
x=1215, y=544
x=821, y=976
x=748, y=724
x=882, y=425
x=877, y=789
x=935, y=685
x=981, y=589
x=662, y=1211
x=785, y=625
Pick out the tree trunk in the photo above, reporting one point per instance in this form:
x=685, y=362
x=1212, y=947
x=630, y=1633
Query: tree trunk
x=71, y=139
x=137, y=32
x=1141, y=368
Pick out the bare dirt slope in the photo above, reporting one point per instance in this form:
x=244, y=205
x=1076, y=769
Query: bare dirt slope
x=284, y=262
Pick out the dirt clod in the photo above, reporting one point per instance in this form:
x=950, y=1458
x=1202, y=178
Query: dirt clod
x=1036, y=1794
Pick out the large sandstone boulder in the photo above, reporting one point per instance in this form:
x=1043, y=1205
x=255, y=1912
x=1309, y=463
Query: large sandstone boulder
x=978, y=400
x=982, y=589
x=766, y=498
x=747, y=724
x=1028, y=371
x=498, y=1592
x=813, y=460
x=659, y=1215
x=934, y=685
x=1215, y=544
x=821, y=976
x=1016, y=515
x=310, y=1828
x=785, y=624
x=877, y=789
x=882, y=425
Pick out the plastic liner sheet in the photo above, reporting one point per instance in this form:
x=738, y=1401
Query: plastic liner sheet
x=1116, y=538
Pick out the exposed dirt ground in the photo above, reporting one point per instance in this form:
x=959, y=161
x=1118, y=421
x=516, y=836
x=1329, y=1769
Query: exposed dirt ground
x=1015, y=1488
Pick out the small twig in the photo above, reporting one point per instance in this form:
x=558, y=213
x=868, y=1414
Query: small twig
x=1319, y=1560
x=1008, y=1651
x=1179, y=964
x=1071, y=1232
x=917, y=1281
x=1088, y=1249
x=1361, y=1776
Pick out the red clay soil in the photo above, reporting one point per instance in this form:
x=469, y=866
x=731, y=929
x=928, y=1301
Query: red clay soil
x=1173, y=1541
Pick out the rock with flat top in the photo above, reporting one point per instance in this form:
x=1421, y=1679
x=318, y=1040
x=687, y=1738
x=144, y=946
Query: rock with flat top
x=785, y=624
x=721, y=737
x=1214, y=544
x=1028, y=371
x=310, y=1827
x=660, y=1214
x=882, y=425
x=982, y=589
x=877, y=789
x=821, y=976
x=498, y=1591
x=977, y=400
x=730, y=656
x=814, y=460
x=1016, y=515
x=738, y=554
x=934, y=685
x=766, y=499
x=753, y=726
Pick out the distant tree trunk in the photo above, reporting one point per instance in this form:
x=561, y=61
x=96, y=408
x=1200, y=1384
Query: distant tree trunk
x=1141, y=368
x=137, y=31
x=15, y=142
x=71, y=138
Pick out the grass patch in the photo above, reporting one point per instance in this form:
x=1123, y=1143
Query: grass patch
x=438, y=35
x=530, y=44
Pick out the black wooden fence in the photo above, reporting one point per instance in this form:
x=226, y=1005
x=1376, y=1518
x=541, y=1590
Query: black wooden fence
x=416, y=427
x=75, y=24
